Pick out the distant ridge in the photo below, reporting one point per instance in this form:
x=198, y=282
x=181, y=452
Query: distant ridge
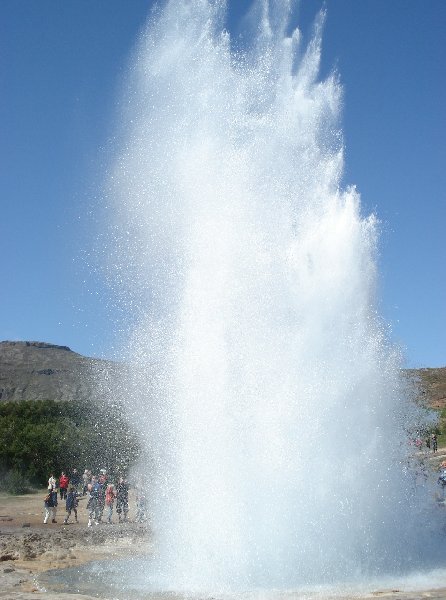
x=33, y=370
x=35, y=345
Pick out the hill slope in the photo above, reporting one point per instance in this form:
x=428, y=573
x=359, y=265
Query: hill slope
x=41, y=371
x=433, y=384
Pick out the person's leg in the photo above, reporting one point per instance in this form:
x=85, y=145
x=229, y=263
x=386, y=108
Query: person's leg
x=75, y=515
x=53, y=520
x=47, y=514
x=67, y=516
x=100, y=511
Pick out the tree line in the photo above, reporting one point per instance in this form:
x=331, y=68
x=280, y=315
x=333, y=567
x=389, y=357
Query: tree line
x=45, y=436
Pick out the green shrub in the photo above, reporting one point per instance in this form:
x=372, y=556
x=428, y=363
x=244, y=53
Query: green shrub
x=13, y=482
x=42, y=437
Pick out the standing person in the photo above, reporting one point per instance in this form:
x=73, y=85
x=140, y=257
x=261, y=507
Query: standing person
x=102, y=487
x=71, y=504
x=122, y=498
x=64, y=480
x=140, y=505
x=50, y=504
x=52, y=484
x=434, y=442
x=92, y=504
x=86, y=478
x=110, y=495
x=75, y=479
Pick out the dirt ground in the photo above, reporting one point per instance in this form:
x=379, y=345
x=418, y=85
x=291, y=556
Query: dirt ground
x=28, y=547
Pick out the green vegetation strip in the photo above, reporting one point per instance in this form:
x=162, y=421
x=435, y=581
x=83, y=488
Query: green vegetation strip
x=42, y=437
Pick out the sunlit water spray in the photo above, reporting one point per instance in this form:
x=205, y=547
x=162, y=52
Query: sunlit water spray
x=268, y=397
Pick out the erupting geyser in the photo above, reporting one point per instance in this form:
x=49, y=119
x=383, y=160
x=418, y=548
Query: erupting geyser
x=270, y=400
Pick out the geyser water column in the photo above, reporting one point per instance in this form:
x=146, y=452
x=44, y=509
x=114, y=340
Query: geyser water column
x=262, y=381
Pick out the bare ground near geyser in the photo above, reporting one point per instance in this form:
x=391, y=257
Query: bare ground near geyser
x=28, y=548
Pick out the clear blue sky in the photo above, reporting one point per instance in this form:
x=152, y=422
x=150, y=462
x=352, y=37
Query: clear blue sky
x=61, y=65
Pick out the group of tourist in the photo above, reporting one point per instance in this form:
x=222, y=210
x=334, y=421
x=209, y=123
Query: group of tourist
x=430, y=442
x=102, y=496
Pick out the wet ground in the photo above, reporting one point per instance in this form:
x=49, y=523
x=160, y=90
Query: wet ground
x=53, y=561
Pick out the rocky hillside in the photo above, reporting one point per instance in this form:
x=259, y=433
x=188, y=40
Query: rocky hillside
x=433, y=385
x=41, y=371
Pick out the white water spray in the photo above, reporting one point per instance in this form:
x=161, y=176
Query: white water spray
x=269, y=398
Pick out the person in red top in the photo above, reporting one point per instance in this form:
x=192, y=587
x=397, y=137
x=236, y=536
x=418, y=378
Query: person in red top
x=63, y=485
x=110, y=495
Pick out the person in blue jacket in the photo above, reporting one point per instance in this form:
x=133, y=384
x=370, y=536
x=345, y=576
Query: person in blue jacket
x=71, y=504
x=93, y=502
